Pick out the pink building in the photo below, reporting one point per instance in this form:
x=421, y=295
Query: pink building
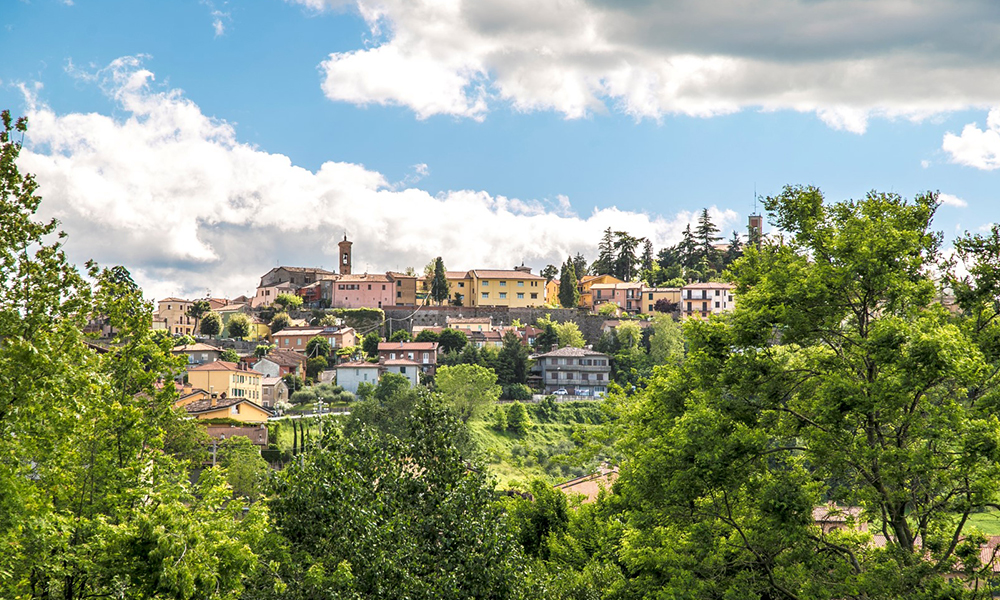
x=627, y=296
x=360, y=291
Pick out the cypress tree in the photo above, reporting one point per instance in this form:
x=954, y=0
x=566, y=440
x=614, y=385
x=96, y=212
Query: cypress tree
x=569, y=296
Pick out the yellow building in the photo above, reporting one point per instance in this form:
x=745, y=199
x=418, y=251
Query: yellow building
x=171, y=314
x=650, y=296
x=514, y=288
x=552, y=292
x=203, y=405
x=221, y=377
x=586, y=282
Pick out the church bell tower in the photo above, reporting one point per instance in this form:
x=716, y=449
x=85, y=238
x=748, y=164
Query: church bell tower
x=345, y=256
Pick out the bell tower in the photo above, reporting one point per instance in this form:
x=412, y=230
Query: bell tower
x=345, y=256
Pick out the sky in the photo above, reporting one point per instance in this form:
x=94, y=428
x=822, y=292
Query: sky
x=200, y=143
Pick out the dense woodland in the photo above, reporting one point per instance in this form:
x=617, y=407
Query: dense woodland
x=841, y=376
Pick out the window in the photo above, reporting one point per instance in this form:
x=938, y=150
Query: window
x=534, y=295
x=399, y=294
x=650, y=307
x=716, y=292
x=392, y=356
x=503, y=284
x=553, y=375
x=369, y=286
x=486, y=284
x=461, y=284
x=383, y=287
x=689, y=307
x=520, y=295
x=399, y=284
x=716, y=305
x=503, y=295
x=298, y=341
x=486, y=294
x=402, y=370
x=520, y=284
x=427, y=356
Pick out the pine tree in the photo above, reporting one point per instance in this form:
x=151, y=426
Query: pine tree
x=734, y=251
x=580, y=265
x=706, y=236
x=439, y=284
x=625, y=259
x=647, y=259
x=569, y=295
x=604, y=264
x=687, y=249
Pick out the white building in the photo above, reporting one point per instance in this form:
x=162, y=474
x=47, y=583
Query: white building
x=702, y=299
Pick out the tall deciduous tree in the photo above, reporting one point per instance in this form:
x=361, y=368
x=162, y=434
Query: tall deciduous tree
x=318, y=346
x=452, y=340
x=197, y=310
x=470, y=390
x=569, y=295
x=550, y=272
x=211, y=324
x=838, y=378
x=239, y=326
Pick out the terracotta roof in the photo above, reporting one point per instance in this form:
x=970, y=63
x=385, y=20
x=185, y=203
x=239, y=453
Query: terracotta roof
x=628, y=285
x=399, y=275
x=504, y=274
x=833, y=513
x=407, y=346
x=590, y=485
x=617, y=322
x=266, y=381
x=571, y=352
x=285, y=358
x=400, y=362
x=470, y=320
x=200, y=406
x=302, y=270
x=373, y=277
x=358, y=364
x=174, y=300
x=290, y=331
x=221, y=365
x=456, y=274
x=199, y=347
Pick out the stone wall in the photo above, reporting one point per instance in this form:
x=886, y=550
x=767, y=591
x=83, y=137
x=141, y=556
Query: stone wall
x=437, y=316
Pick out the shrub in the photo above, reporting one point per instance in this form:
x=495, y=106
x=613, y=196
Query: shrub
x=517, y=391
x=517, y=419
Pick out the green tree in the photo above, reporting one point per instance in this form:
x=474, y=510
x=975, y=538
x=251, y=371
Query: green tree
x=512, y=360
x=547, y=513
x=667, y=341
x=315, y=366
x=90, y=474
x=629, y=334
x=518, y=420
x=838, y=377
x=549, y=272
x=400, y=335
x=370, y=515
x=318, y=346
x=548, y=338
x=580, y=266
x=229, y=355
x=428, y=335
x=734, y=251
x=470, y=390
x=211, y=324
x=280, y=321
x=370, y=343
x=607, y=309
x=197, y=310
x=687, y=249
x=239, y=326
x=626, y=263
x=605, y=263
x=647, y=261
x=452, y=340
x=439, y=283
x=246, y=471
x=706, y=234
x=294, y=382
x=569, y=334
x=285, y=302
x=499, y=419
x=569, y=295
x=262, y=350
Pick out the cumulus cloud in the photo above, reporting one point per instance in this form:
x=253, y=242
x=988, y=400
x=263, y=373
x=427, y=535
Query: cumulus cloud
x=846, y=61
x=949, y=200
x=975, y=147
x=174, y=195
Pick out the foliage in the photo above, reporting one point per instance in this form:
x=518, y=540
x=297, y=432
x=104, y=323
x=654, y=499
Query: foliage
x=363, y=320
x=499, y=419
x=427, y=335
x=318, y=346
x=239, y=326
x=469, y=389
x=512, y=360
x=836, y=378
x=285, y=302
x=211, y=324
x=294, y=382
x=667, y=341
x=197, y=310
x=246, y=471
x=452, y=340
x=607, y=309
x=629, y=334
x=549, y=272
x=569, y=295
x=569, y=334
x=439, y=290
x=280, y=321
x=400, y=335
x=371, y=515
x=366, y=391
x=315, y=366
x=666, y=306
x=262, y=350
x=370, y=343
x=516, y=391
x=547, y=513
x=229, y=355
x=517, y=418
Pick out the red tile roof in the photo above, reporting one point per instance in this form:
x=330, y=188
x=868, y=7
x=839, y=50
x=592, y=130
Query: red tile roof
x=387, y=346
x=221, y=365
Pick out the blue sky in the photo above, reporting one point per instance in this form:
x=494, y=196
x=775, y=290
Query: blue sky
x=490, y=133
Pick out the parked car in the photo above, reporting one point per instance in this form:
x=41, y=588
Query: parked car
x=561, y=392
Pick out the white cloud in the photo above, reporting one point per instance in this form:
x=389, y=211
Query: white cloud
x=979, y=148
x=847, y=61
x=219, y=17
x=174, y=195
x=925, y=164
x=949, y=200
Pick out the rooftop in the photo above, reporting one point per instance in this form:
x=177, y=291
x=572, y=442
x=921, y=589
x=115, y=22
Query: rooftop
x=709, y=285
x=222, y=365
x=571, y=352
x=504, y=274
x=407, y=346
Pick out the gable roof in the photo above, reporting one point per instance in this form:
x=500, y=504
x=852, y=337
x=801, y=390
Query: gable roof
x=709, y=285
x=221, y=365
x=285, y=358
x=504, y=274
x=571, y=352
x=203, y=406
x=407, y=346
x=357, y=364
x=199, y=347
